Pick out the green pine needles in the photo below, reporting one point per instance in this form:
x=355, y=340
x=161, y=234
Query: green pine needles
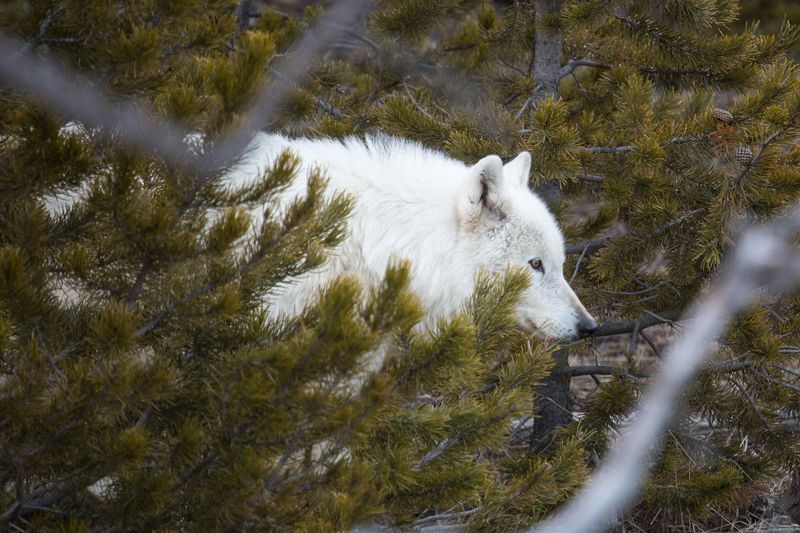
x=143, y=387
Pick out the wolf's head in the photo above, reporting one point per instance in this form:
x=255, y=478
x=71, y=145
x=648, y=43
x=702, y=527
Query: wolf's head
x=507, y=224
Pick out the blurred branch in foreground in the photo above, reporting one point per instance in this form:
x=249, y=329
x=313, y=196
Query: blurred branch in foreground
x=78, y=98
x=765, y=256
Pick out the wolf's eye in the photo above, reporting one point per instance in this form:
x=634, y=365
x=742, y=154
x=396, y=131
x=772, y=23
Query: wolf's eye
x=536, y=264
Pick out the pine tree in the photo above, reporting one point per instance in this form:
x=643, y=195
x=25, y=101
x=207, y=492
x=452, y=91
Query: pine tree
x=675, y=128
x=145, y=388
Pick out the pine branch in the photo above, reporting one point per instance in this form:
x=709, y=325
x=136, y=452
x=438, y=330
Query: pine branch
x=730, y=366
x=780, y=382
x=200, y=291
x=294, y=67
x=590, y=246
x=702, y=72
x=60, y=40
x=752, y=403
x=249, y=265
x=45, y=495
x=43, y=347
x=47, y=21
x=794, y=373
x=450, y=442
x=764, y=145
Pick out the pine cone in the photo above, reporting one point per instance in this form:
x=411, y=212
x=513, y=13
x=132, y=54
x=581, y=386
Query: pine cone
x=723, y=115
x=742, y=154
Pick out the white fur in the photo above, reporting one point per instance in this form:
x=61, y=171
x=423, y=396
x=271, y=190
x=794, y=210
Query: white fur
x=449, y=219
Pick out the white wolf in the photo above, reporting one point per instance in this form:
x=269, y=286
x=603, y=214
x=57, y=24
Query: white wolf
x=450, y=220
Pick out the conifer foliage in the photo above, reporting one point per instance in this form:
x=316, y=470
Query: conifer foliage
x=142, y=384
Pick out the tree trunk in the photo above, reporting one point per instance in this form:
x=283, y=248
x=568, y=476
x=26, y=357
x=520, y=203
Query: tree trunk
x=789, y=502
x=547, y=51
x=552, y=407
x=244, y=10
x=553, y=403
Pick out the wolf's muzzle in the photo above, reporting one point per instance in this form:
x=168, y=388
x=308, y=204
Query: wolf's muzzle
x=586, y=326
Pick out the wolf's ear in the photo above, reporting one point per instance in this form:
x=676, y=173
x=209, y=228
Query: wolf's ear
x=518, y=168
x=484, y=183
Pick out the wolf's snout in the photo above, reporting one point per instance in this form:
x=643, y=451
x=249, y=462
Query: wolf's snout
x=586, y=326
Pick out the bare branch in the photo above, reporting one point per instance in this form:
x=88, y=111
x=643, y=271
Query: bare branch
x=618, y=328
x=522, y=109
x=587, y=247
x=45, y=495
x=328, y=108
x=624, y=149
x=572, y=64
x=790, y=386
x=605, y=149
x=605, y=370
x=593, y=178
x=613, y=370
x=47, y=21
x=596, y=244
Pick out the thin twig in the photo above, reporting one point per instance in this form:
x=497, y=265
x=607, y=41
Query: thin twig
x=445, y=516
x=756, y=158
x=578, y=263
x=651, y=344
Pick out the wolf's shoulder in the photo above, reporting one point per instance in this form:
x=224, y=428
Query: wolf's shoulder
x=374, y=161
x=371, y=146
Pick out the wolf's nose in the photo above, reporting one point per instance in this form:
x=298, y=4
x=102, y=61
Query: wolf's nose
x=586, y=326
